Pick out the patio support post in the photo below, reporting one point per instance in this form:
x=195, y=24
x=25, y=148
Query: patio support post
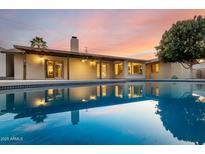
x=24, y=66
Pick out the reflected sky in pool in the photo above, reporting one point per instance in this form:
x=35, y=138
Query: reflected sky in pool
x=124, y=113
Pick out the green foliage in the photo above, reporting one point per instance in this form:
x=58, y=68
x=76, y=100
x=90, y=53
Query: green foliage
x=184, y=42
x=174, y=77
x=38, y=42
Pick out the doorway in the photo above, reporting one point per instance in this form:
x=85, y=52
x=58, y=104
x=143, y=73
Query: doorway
x=54, y=69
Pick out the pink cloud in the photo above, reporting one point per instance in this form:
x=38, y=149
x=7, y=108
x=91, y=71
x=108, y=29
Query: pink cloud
x=123, y=32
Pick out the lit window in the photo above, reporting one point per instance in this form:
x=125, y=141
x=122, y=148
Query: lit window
x=134, y=68
x=98, y=70
x=104, y=70
x=119, y=69
x=54, y=69
x=50, y=69
x=155, y=67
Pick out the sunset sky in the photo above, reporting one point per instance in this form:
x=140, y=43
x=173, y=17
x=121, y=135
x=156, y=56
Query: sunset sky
x=112, y=32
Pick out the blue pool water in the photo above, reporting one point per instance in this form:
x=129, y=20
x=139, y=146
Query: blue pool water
x=124, y=113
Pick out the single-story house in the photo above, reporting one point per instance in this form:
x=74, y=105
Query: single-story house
x=28, y=63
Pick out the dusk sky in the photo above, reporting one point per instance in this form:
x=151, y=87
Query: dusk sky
x=111, y=32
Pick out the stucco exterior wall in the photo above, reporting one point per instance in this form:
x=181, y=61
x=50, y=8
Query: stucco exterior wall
x=35, y=66
x=157, y=75
x=178, y=70
x=164, y=71
x=2, y=65
x=18, y=67
x=167, y=70
x=79, y=70
x=199, y=70
x=110, y=70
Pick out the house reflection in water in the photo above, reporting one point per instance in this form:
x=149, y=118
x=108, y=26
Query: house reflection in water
x=38, y=103
x=181, y=107
x=75, y=117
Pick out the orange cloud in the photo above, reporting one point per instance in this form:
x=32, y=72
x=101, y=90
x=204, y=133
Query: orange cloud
x=123, y=32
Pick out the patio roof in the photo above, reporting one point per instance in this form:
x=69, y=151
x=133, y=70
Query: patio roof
x=63, y=53
x=12, y=51
x=1, y=49
x=152, y=60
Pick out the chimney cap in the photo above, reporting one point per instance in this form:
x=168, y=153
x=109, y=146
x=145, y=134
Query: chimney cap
x=75, y=37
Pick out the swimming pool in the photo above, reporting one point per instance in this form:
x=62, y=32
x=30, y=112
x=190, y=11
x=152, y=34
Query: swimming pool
x=120, y=113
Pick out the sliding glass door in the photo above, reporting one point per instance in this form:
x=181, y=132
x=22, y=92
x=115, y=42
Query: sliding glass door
x=54, y=69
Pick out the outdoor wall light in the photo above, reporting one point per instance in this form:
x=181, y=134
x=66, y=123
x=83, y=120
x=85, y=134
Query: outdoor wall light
x=41, y=58
x=83, y=60
x=93, y=63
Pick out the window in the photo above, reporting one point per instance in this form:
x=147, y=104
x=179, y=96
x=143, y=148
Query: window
x=155, y=68
x=134, y=68
x=54, y=69
x=58, y=69
x=118, y=69
x=98, y=70
x=104, y=70
x=50, y=69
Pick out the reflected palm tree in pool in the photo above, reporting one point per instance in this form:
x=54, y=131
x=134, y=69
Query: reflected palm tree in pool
x=39, y=117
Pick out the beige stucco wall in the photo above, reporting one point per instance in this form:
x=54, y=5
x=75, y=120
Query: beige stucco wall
x=18, y=67
x=2, y=65
x=178, y=70
x=79, y=70
x=35, y=66
x=199, y=70
x=167, y=70
x=110, y=70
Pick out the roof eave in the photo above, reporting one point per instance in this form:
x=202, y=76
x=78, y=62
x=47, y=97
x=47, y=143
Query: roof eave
x=74, y=54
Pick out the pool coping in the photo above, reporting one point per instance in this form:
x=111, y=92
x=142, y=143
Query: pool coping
x=21, y=84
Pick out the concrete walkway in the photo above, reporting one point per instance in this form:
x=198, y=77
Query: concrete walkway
x=16, y=84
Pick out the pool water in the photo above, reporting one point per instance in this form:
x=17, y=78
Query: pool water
x=123, y=113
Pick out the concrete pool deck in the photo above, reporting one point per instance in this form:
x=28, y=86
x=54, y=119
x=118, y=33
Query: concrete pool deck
x=18, y=84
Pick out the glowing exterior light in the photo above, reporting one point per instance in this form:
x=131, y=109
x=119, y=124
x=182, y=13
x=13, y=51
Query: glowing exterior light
x=39, y=102
x=93, y=63
x=83, y=100
x=92, y=97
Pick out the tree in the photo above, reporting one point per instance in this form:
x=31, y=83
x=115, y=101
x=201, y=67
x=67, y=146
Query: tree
x=38, y=42
x=184, y=43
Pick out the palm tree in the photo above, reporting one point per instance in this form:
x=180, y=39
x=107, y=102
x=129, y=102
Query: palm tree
x=38, y=42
